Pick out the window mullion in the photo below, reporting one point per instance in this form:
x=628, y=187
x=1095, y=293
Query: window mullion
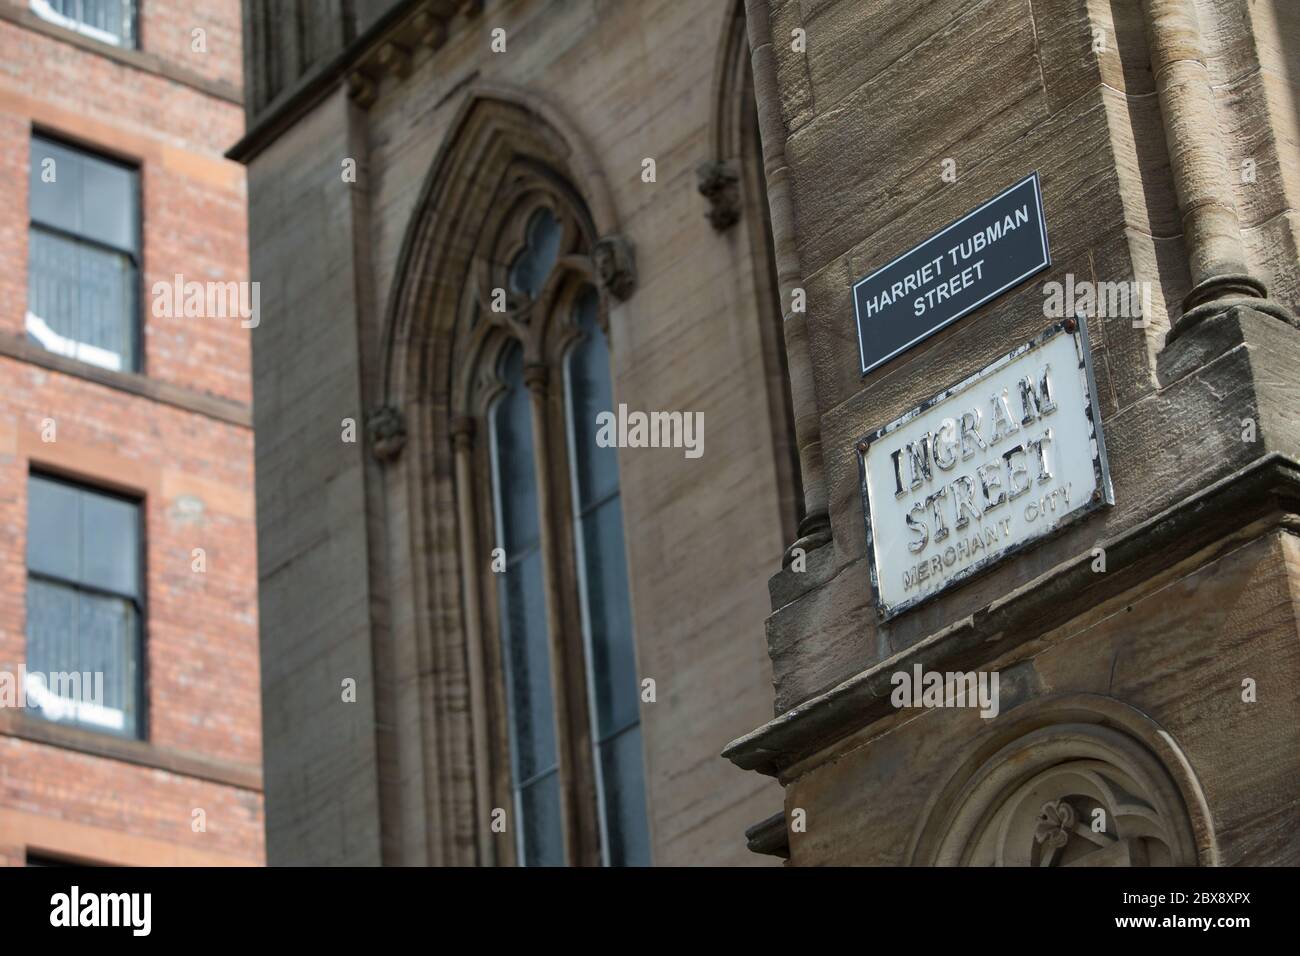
x=85, y=588
x=82, y=240
x=536, y=379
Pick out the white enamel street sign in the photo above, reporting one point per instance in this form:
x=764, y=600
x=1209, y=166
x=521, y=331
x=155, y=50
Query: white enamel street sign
x=984, y=469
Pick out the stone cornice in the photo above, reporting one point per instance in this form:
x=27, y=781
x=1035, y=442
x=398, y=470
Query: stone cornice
x=1263, y=495
x=769, y=837
x=385, y=49
x=200, y=403
x=141, y=753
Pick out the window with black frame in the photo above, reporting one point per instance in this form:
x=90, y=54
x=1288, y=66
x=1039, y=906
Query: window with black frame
x=84, y=606
x=109, y=21
x=83, y=256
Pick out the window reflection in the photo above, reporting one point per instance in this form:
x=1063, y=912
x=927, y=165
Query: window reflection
x=525, y=641
x=607, y=614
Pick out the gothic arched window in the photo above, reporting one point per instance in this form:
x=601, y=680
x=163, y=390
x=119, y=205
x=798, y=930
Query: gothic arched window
x=539, y=369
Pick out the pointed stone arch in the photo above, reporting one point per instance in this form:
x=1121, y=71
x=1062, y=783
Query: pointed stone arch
x=734, y=182
x=496, y=125
x=1073, y=780
x=733, y=87
x=503, y=146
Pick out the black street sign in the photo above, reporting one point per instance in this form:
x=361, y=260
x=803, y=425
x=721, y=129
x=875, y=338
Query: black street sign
x=955, y=271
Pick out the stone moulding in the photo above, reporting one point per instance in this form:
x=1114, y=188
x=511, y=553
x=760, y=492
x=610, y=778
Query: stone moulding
x=815, y=529
x=392, y=54
x=1068, y=744
x=769, y=837
x=1267, y=491
x=615, y=266
x=134, y=383
x=385, y=49
x=719, y=183
x=487, y=127
x=387, y=429
x=1196, y=316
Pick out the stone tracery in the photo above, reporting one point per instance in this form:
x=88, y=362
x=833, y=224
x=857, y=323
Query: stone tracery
x=1069, y=794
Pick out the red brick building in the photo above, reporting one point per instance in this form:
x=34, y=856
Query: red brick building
x=127, y=536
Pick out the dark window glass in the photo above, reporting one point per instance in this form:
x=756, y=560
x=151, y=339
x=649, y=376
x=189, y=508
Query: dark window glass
x=53, y=529
x=534, y=760
x=529, y=271
x=539, y=806
x=110, y=544
x=530, y=666
x=83, y=606
x=609, y=617
x=623, y=793
x=83, y=256
x=516, y=480
x=595, y=468
x=607, y=613
x=57, y=167
x=108, y=198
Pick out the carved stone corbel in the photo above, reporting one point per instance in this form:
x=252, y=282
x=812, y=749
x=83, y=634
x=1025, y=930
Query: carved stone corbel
x=431, y=30
x=386, y=427
x=462, y=432
x=536, y=375
x=394, y=59
x=362, y=89
x=615, y=266
x=719, y=183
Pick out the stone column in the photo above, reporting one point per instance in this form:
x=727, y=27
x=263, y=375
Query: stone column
x=815, y=529
x=462, y=437
x=1211, y=229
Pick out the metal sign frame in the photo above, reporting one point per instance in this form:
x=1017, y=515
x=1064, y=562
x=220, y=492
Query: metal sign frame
x=932, y=329
x=1103, y=495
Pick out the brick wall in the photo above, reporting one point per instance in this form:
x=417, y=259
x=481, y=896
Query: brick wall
x=167, y=30
x=177, y=436
x=192, y=200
